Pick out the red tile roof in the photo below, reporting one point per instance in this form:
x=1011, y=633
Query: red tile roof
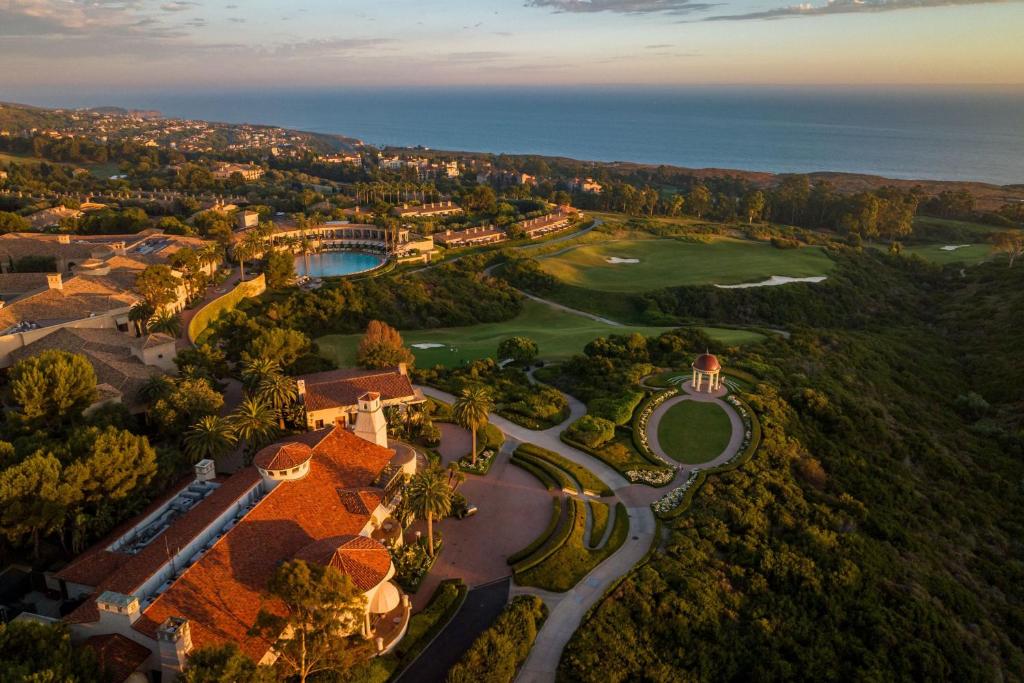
x=361, y=501
x=282, y=456
x=342, y=388
x=120, y=656
x=133, y=572
x=222, y=593
x=365, y=560
x=707, y=363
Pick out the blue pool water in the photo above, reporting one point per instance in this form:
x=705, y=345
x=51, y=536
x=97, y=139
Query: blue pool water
x=333, y=263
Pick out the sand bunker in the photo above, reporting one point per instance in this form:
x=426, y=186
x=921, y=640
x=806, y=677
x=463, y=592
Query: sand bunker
x=615, y=260
x=954, y=247
x=427, y=345
x=773, y=281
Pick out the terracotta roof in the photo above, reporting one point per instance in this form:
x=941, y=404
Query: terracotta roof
x=222, y=593
x=365, y=560
x=150, y=340
x=342, y=388
x=108, y=351
x=282, y=456
x=134, y=571
x=120, y=656
x=16, y=246
x=707, y=362
x=20, y=283
x=361, y=501
x=79, y=297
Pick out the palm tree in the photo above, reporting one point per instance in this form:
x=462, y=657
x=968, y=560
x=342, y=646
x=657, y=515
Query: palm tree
x=254, y=423
x=455, y=476
x=165, y=322
x=211, y=437
x=471, y=410
x=429, y=496
x=255, y=369
x=243, y=252
x=279, y=392
x=139, y=313
x=154, y=388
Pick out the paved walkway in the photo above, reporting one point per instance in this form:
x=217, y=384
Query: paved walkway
x=735, y=438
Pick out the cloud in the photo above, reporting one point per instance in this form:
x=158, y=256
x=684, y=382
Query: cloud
x=659, y=46
x=846, y=7
x=329, y=47
x=622, y=6
x=177, y=6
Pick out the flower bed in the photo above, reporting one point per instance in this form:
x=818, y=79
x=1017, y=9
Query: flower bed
x=413, y=563
x=483, y=462
x=635, y=475
x=640, y=427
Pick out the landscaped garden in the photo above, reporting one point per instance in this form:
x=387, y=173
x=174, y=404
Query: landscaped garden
x=645, y=265
x=694, y=432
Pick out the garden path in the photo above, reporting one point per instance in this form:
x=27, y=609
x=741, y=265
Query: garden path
x=689, y=394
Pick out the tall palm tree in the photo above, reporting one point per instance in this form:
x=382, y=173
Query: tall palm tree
x=470, y=411
x=243, y=252
x=254, y=423
x=139, y=313
x=166, y=322
x=255, y=369
x=279, y=392
x=211, y=437
x=429, y=496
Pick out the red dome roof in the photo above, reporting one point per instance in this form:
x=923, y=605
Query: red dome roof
x=283, y=456
x=365, y=560
x=707, y=362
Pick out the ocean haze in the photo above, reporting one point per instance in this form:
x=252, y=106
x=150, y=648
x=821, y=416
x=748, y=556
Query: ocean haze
x=940, y=134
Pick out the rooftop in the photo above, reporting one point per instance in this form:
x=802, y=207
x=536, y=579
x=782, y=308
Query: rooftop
x=342, y=388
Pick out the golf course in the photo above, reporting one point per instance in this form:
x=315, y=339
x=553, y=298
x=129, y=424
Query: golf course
x=558, y=335
x=645, y=265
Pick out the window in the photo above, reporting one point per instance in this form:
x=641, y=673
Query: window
x=319, y=424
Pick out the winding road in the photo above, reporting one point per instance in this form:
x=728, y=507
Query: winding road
x=566, y=610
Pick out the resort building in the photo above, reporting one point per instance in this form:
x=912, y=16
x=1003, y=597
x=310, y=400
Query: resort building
x=446, y=208
x=339, y=235
x=224, y=171
x=470, y=237
x=706, y=373
x=191, y=571
x=588, y=185
x=332, y=397
x=47, y=218
x=560, y=219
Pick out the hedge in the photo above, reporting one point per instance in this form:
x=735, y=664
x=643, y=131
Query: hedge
x=618, y=409
x=538, y=472
x=561, y=479
x=599, y=522
x=618, y=467
x=557, y=506
x=587, y=479
x=495, y=656
x=702, y=475
x=574, y=513
x=641, y=449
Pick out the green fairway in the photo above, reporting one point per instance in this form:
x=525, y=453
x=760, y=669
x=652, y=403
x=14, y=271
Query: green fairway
x=668, y=263
x=970, y=254
x=693, y=432
x=558, y=334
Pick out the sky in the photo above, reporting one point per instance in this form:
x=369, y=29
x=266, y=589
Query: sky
x=49, y=46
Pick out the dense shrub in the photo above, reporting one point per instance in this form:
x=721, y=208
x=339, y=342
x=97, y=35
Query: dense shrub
x=591, y=431
x=619, y=409
x=496, y=655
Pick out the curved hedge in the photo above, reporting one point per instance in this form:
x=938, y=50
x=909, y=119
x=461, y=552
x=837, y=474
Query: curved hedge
x=562, y=480
x=576, y=516
x=598, y=522
x=541, y=474
x=587, y=479
x=557, y=506
x=638, y=443
x=618, y=467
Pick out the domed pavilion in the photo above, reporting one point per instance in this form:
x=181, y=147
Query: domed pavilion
x=706, y=373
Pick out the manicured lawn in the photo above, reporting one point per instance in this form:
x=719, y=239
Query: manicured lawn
x=668, y=263
x=693, y=432
x=557, y=333
x=973, y=253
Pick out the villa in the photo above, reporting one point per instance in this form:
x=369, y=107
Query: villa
x=337, y=235
x=470, y=237
x=224, y=171
x=191, y=571
x=332, y=397
x=427, y=210
x=559, y=219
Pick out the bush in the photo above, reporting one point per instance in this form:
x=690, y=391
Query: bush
x=618, y=409
x=591, y=431
x=497, y=653
x=587, y=479
x=573, y=517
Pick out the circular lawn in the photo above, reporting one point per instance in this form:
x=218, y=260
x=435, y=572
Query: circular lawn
x=694, y=432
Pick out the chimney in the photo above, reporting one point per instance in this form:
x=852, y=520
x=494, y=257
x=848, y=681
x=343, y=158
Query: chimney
x=174, y=642
x=370, y=423
x=403, y=368
x=300, y=387
x=54, y=281
x=63, y=239
x=117, y=610
x=206, y=470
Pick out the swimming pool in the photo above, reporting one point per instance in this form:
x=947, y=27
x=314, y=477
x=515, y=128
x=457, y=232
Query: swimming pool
x=333, y=263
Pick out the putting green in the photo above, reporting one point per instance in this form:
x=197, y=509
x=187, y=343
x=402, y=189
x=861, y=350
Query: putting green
x=693, y=432
x=558, y=334
x=668, y=263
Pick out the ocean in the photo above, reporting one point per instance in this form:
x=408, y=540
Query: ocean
x=941, y=134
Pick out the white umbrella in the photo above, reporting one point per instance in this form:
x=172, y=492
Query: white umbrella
x=386, y=599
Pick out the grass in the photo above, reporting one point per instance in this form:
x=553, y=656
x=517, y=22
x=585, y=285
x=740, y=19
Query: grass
x=969, y=255
x=558, y=334
x=672, y=263
x=567, y=566
x=693, y=432
x=587, y=479
x=599, y=517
